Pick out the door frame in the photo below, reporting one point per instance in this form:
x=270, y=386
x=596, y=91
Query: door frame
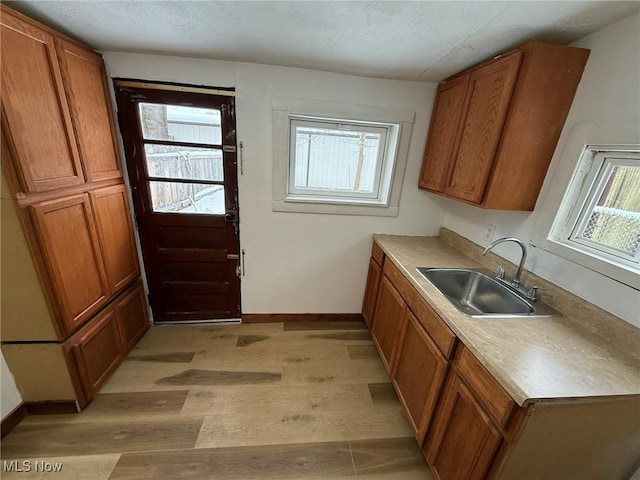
x=137, y=179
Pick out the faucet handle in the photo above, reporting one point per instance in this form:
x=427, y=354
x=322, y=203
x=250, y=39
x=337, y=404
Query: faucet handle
x=500, y=271
x=532, y=294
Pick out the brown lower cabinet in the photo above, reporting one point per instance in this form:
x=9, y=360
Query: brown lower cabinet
x=74, y=370
x=464, y=438
x=388, y=320
x=418, y=375
x=467, y=424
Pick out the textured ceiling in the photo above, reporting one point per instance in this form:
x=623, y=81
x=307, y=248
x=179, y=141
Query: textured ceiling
x=416, y=40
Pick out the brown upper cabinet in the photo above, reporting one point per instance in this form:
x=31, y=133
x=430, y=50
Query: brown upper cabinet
x=35, y=115
x=495, y=126
x=87, y=90
x=56, y=111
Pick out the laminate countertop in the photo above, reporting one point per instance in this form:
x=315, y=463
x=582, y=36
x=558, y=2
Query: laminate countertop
x=534, y=359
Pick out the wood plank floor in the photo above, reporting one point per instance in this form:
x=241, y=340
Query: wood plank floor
x=300, y=401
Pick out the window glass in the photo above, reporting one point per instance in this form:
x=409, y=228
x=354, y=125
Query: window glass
x=611, y=215
x=190, y=163
x=336, y=159
x=180, y=124
x=178, y=197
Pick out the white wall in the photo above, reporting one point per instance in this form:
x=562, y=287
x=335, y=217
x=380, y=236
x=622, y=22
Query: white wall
x=608, y=93
x=300, y=263
x=10, y=396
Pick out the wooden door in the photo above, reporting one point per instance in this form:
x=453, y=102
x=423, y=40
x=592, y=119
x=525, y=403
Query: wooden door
x=180, y=151
x=443, y=130
x=487, y=103
x=88, y=95
x=388, y=322
x=463, y=440
x=371, y=291
x=418, y=376
x=115, y=232
x=67, y=236
x=35, y=115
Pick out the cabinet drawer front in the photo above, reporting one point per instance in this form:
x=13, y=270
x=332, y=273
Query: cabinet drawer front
x=498, y=403
x=38, y=123
x=377, y=253
x=435, y=326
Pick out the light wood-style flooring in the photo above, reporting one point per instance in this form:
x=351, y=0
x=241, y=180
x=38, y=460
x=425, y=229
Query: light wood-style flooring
x=299, y=401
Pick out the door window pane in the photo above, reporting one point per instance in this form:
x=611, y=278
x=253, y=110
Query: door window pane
x=180, y=124
x=177, y=197
x=192, y=163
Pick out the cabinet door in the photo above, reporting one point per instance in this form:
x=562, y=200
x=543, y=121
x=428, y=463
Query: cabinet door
x=97, y=352
x=35, y=115
x=445, y=121
x=87, y=93
x=418, y=376
x=387, y=322
x=132, y=317
x=371, y=291
x=487, y=103
x=463, y=440
x=115, y=232
x=67, y=236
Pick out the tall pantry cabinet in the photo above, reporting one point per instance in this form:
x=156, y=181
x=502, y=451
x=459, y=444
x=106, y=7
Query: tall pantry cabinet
x=72, y=299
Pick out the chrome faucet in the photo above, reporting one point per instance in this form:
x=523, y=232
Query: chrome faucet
x=516, y=281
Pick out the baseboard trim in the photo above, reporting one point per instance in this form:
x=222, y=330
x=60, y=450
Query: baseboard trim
x=301, y=317
x=51, y=408
x=12, y=420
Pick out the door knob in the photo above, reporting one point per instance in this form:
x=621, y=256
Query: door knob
x=229, y=216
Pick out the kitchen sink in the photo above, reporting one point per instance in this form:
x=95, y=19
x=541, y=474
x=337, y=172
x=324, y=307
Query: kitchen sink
x=476, y=293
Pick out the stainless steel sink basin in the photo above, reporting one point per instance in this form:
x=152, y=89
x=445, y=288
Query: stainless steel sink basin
x=477, y=293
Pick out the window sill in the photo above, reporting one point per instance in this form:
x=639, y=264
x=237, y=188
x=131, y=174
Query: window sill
x=616, y=271
x=355, y=208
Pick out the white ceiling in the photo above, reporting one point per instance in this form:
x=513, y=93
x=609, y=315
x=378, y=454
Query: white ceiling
x=413, y=40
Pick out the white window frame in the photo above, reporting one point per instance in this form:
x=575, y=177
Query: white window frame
x=383, y=130
x=580, y=168
x=396, y=124
x=603, y=162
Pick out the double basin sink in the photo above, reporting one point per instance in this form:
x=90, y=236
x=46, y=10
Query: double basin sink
x=475, y=293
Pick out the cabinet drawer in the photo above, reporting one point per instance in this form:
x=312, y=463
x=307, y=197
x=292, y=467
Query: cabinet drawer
x=441, y=334
x=496, y=401
x=377, y=253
